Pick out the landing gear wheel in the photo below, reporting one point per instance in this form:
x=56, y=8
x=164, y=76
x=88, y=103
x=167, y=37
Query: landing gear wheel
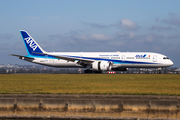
x=158, y=72
x=97, y=71
x=88, y=71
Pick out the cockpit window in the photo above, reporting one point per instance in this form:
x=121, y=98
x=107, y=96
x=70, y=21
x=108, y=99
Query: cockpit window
x=165, y=58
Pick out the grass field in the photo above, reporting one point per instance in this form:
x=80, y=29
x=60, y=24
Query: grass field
x=138, y=84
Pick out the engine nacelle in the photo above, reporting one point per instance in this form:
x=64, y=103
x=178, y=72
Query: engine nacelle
x=101, y=65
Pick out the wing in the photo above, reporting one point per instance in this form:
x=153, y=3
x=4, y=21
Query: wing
x=81, y=60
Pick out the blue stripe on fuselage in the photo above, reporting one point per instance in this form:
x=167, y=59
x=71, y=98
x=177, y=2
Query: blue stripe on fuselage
x=111, y=60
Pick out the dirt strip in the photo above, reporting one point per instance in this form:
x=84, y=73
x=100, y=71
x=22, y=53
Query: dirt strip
x=79, y=106
x=53, y=117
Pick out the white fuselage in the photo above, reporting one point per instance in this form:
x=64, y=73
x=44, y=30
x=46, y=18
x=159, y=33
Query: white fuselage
x=119, y=59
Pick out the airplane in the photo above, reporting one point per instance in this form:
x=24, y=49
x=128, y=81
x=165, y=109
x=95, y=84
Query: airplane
x=94, y=62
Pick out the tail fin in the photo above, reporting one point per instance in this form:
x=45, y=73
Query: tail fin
x=31, y=46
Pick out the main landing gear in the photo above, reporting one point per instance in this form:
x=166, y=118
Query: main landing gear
x=88, y=71
x=92, y=71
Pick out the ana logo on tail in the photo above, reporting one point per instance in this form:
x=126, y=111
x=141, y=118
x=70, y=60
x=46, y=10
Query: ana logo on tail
x=31, y=43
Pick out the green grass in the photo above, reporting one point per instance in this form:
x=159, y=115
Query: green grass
x=138, y=84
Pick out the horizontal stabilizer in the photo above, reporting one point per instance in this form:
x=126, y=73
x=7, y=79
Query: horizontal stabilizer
x=20, y=56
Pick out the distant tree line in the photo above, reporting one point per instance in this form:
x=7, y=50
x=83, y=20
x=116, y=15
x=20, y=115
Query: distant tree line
x=36, y=70
x=71, y=71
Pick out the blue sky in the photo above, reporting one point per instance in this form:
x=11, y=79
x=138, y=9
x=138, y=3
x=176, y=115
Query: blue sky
x=91, y=26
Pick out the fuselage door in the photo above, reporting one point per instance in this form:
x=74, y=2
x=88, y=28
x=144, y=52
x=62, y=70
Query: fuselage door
x=46, y=58
x=123, y=57
x=154, y=58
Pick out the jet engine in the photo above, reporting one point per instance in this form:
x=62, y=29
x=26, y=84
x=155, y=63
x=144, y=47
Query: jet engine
x=101, y=65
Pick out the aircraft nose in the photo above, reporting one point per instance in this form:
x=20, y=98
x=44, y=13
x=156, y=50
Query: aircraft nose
x=171, y=63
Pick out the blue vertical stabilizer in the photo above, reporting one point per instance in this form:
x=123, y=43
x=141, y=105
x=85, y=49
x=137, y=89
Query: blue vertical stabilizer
x=31, y=46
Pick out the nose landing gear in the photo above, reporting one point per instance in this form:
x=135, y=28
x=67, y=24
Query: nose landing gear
x=159, y=70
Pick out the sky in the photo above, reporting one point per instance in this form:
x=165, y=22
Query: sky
x=91, y=26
